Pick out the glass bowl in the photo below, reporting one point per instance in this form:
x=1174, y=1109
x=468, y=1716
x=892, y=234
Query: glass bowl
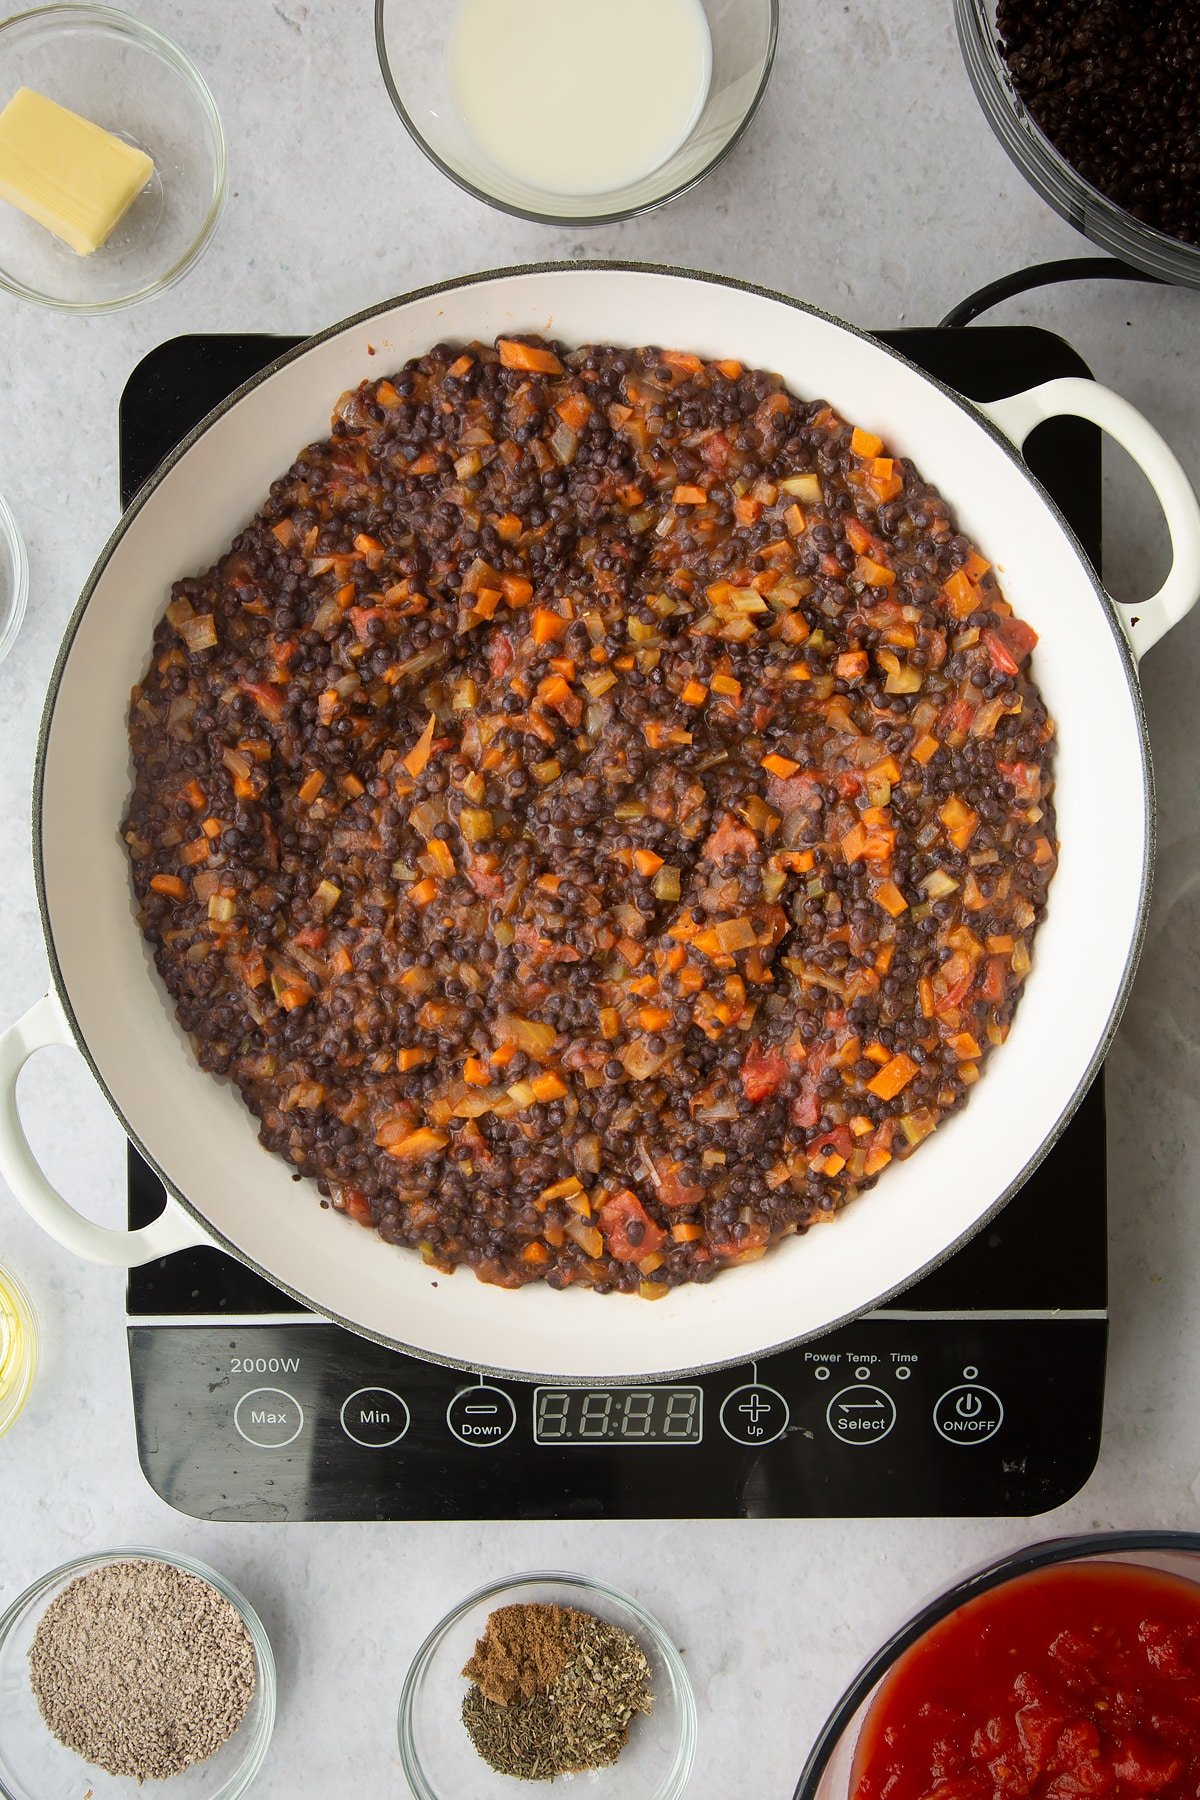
x=35, y=1766
x=20, y=1339
x=438, y=1757
x=1082, y=205
x=134, y=82
x=14, y=580
x=826, y=1774
x=411, y=39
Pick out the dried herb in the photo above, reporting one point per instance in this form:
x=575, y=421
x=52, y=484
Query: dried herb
x=575, y=1721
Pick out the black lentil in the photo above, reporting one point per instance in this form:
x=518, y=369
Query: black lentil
x=602, y=890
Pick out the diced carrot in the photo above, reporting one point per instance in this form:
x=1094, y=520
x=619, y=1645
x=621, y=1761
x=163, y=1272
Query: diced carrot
x=311, y=786
x=536, y=361
x=171, y=885
x=865, y=443
x=975, y=568
x=730, y=368
x=925, y=994
x=795, y=520
x=1042, y=851
x=508, y=527
x=546, y=626
x=440, y=853
x=924, y=748
x=874, y=574
x=727, y=685
x=418, y=756
x=574, y=411
x=963, y=1045
x=647, y=862
x=474, y=1073
x=961, y=595
x=891, y=899
x=783, y=766
x=653, y=1018
x=197, y=851
x=694, y=693
x=746, y=511
x=858, y=537
x=687, y=494
x=852, y=665
x=535, y=1253
x=682, y=361
x=422, y=892
x=893, y=1078
x=548, y=1086
x=341, y=962
x=687, y=1233
x=610, y=1022
x=412, y=1058
x=420, y=1143
x=876, y=1160
x=517, y=589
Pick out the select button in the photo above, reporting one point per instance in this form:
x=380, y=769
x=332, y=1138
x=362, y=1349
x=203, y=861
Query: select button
x=269, y=1418
x=375, y=1417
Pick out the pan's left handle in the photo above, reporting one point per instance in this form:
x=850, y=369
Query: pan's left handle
x=45, y=1024
x=1016, y=416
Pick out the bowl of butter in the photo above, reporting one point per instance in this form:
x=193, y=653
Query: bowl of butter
x=112, y=159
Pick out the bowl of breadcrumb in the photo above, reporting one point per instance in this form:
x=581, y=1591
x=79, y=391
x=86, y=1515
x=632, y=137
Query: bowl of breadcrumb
x=131, y=1666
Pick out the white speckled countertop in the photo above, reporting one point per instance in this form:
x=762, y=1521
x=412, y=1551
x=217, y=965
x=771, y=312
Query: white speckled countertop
x=870, y=185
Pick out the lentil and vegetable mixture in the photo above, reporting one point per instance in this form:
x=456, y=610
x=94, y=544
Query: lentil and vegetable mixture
x=597, y=812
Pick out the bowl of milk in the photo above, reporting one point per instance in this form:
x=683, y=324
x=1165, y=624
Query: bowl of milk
x=576, y=111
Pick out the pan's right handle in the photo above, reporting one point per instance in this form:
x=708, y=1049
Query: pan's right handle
x=44, y=1024
x=1017, y=414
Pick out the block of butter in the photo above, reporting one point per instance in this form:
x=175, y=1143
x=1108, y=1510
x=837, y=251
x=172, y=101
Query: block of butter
x=73, y=177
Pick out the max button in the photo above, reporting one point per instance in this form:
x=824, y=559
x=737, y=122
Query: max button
x=269, y=1418
x=481, y=1417
x=969, y=1414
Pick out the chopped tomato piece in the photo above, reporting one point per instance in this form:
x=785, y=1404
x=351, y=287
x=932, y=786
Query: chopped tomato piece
x=763, y=1073
x=628, y=1229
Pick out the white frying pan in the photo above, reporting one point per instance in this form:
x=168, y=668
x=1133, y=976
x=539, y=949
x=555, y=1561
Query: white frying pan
x=195, y=1131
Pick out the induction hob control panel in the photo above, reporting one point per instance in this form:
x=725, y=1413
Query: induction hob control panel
x=894, y=1414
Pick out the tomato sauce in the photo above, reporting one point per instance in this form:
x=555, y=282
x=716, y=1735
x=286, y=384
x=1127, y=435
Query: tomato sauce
x=1075, y=1680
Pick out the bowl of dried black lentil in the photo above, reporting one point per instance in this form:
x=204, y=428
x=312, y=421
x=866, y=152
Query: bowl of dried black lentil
x=1099, y=107
x=618, y=1713
x=133, y=1665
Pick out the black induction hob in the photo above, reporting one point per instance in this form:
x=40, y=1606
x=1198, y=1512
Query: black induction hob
x=979, y=1391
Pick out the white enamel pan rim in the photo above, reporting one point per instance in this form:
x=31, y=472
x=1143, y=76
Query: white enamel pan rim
x=190, y=1225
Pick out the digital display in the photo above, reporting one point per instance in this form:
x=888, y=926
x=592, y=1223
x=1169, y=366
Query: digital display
x=650, y=1415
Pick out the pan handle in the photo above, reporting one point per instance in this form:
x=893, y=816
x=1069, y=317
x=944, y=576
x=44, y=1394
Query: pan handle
x=1016, y=417
x=45, y=1024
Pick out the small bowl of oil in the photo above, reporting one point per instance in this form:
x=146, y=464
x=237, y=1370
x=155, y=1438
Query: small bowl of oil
x=18, y=1348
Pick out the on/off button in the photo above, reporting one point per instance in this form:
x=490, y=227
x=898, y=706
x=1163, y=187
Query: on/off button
x=969, y=1414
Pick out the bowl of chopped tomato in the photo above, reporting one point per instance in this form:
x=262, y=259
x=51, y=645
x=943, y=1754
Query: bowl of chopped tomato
x=1069, y=1668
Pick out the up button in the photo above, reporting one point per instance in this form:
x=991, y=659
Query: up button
x=969, y=1413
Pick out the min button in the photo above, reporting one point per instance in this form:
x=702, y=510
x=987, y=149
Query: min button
x=374, y=1417
x=269, y=1418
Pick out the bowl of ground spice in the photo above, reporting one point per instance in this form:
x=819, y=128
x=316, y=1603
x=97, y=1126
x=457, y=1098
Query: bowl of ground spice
x=127, y=1667
x=547, y=1676
x=1098, y=104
